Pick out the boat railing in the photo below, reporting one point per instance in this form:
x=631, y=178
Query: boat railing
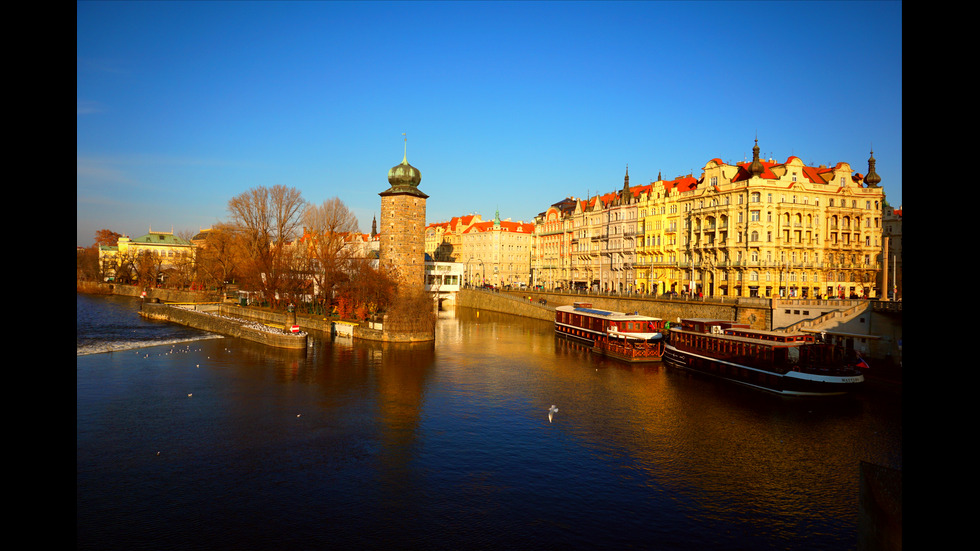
x=635, y=349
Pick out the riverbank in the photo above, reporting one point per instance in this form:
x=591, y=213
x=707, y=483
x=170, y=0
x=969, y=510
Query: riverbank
x=357, y=329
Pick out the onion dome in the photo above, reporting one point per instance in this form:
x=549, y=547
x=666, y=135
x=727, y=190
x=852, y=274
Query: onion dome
x=756, y=168
x=404, y=178
x=872, y=179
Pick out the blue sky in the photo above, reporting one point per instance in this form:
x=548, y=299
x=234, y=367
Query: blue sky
x=506, y=105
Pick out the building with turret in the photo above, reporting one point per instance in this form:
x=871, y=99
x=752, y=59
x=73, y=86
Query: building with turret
x=497, y=252
x=752, y=229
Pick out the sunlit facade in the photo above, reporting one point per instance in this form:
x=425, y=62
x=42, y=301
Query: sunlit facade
x=167, y=250
x=752, y=229
x=497, y=252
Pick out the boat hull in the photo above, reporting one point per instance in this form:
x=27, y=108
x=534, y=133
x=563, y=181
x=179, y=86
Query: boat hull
x=577, y=333
x=789, y=383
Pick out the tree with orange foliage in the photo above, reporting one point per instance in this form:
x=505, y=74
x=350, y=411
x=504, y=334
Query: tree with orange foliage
x=107, y=238
x=264, y=222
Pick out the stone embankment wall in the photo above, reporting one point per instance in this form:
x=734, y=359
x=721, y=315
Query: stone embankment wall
x=528, y=304
x=164, y=295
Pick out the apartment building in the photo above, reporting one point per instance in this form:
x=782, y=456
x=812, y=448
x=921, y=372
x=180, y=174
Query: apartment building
x=497, y=252
x=761, y=228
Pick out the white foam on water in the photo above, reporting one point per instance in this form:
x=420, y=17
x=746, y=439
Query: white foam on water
x=120, y=345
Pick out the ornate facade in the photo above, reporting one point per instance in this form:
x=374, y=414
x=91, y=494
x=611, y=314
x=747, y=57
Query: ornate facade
x=444, y=240
x=497, y=252
x=758, y=228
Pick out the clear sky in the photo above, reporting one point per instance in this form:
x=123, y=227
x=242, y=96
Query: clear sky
x=506, y=105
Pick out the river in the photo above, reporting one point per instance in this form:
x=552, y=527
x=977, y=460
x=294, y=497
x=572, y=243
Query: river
x=189, y=440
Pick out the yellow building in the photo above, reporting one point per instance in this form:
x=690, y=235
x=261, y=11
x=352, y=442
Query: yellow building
x=759, y=228
x=497, y=252
x=779, y=229
x=443, y=240
x=156, y=251
x=660, y=221
x=551, y=255
x=892, y=252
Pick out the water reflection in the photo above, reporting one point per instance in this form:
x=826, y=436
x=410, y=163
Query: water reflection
x=444, y=445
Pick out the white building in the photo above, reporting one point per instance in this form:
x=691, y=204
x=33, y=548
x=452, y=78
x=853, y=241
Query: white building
x=443, y=280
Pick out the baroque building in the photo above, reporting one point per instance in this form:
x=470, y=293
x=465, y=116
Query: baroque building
x=781, y=229
x=167, y=251
x=759, y=228
x=551, y=254
x=402, y=231
x=443, y=240
x=497, y=252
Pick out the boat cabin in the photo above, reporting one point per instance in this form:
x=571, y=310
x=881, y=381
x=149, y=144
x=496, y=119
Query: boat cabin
x=582, y=320
x=732, y=329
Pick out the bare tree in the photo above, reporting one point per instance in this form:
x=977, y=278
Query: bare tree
x=265, y=221
x=87, y=264
x=326, y=228
x=140, y=267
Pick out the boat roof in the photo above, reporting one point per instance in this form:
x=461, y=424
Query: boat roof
x=738, y=331
x=603, y=313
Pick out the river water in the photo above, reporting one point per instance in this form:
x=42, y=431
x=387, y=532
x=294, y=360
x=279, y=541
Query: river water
x=189, y=440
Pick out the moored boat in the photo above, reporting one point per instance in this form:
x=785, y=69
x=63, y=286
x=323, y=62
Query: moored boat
x=780, y=362
x=631, y=337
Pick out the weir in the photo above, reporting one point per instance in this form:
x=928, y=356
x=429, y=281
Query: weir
x=208, y=317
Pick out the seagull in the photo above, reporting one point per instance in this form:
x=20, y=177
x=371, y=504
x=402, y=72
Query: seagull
x=551, y=411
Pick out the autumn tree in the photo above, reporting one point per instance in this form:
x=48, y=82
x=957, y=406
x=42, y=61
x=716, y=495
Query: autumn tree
x=215, y=260
x=366, y=290
x=138, y=267
x=107, y=238
x=87, y=264
x=264, y=222
x=326, y=229
x=90, y=266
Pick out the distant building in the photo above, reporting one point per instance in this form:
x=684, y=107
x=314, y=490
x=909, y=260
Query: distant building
x=497, y=252
x=443, y=240
x=164, y=250
x=892, y=251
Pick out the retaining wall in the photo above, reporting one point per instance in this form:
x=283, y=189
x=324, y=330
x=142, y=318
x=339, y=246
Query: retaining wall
x=528, y=304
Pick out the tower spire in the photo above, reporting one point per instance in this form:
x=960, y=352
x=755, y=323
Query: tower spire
x=872, y=179
x=756, y=167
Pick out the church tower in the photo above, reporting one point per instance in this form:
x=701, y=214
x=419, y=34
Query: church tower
x=402, y=247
